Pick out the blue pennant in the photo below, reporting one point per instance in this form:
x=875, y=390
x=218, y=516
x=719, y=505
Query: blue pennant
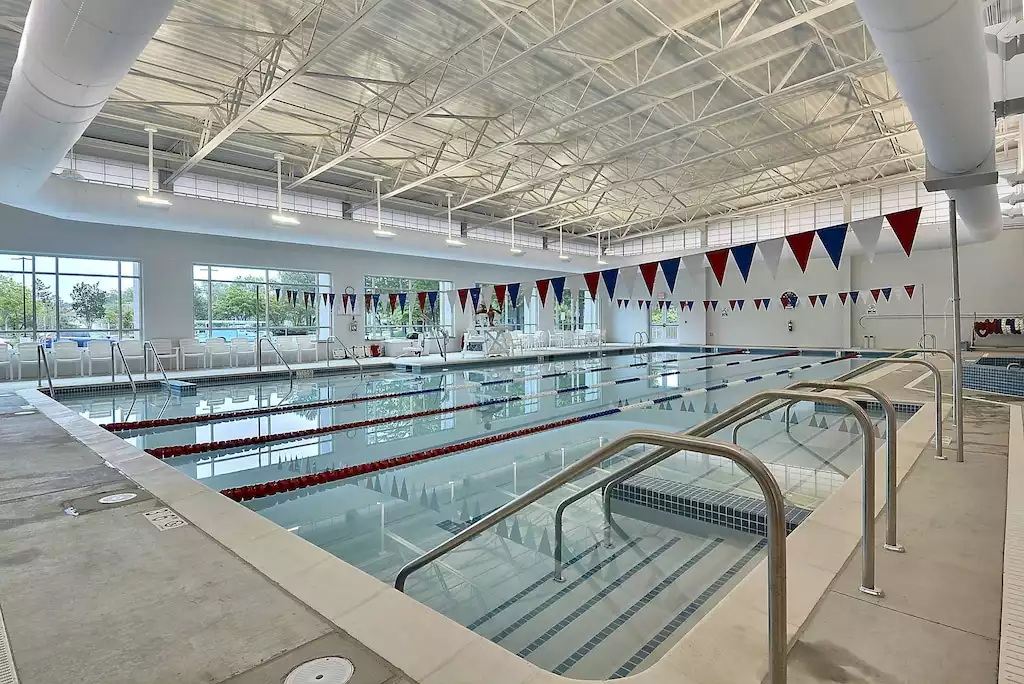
x=834, y=239
x=474, y=293
x=610, y=277
x=822, y=298
x=558, y=285
x=744, y=257
x=513, y=293
x=402, y=297
x=376, y=301
x=432, y=298
x=670, y=269
x=886, y=291
x=854, y=295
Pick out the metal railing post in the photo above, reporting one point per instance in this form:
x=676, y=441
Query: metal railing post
x=113, y=365
x=776, y=519
x=147, y=347
x=45, y=366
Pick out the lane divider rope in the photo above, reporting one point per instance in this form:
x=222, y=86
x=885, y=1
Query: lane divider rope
x=302, y=482
x=133, y=426
x=257, y=440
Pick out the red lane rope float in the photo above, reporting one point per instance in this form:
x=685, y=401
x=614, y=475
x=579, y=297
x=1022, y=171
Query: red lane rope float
x=291, y=484
x=258, y=440
x=269, y=410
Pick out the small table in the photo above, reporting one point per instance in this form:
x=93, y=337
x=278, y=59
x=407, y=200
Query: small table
x=493, y=344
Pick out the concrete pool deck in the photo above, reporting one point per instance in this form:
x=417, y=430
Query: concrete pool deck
x=239, y=597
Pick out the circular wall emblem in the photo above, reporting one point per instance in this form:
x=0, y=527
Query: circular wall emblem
x=117, y=498
x=329, y=670
x=789, y=300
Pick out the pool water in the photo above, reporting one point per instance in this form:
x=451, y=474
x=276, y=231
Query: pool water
x=620, y=608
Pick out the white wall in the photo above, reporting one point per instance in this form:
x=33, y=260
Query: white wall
x=167, y=258
x=992, y=282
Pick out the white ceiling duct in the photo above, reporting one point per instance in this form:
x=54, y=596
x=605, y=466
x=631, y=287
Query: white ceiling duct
x=935, y=51
x=73, y=54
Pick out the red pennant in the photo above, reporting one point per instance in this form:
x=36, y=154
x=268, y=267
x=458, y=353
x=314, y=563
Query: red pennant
x=368, y=301
x=593, y=280
x=463, y=295
x=910, y=290
x=393, y=300
x=542, y=290
x=421, y=297
x=649, y=272
x=707, y=304
x=800, y=244
x=843, y=296
x=904, y=224
x=661, y=304
x=618, y=303
x=814, y=300
x=499, y=292
x=718, y=260
x=875, y=293
x=732, y=304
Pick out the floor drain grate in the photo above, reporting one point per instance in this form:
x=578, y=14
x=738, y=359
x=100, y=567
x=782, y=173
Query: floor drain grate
x=329, y=670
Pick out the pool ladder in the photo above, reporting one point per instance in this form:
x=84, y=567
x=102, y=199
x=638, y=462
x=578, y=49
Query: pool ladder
x=638, y=341
x=348, y=351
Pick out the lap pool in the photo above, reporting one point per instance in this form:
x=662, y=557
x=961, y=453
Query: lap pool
x=379, y=469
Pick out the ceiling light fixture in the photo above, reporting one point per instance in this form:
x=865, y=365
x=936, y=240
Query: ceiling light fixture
x=562, y=255
x=280, y=217
x=378, y=231
x=151, y=198
x=513, y=250
x=452, y=241
x=600, y=254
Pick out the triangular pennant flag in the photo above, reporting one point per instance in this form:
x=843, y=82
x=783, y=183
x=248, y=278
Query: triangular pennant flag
x=487, y=295
x=618, y=303
x=757, y=304
x=277, y=294
x=867, y=232
x=904, y=224
x=771, y=252
x=499, y=292
x=558, y=287
x=330, y=299
x=344, y=303
x=670, y=269
x=718, y=259
x=376, y=301
x=610, y=277
x=800, y=244
x=393, y=300
x=661, y=304
x=823, y=298
x=843, y=296
x=650, y=274
x=854, y=295
x=764, y=303
x=453, y=297
x=421, y=297
x=909, y=290
x=432, y=297
x=324, y=295
x=886, y=292
x=368, y=302
x=743, y=255
x=875, y=292
x=305, y=300
x=814, y=300
x=714, y=305
x=707, y=304
x=403, y=297
x=463, y=296
x=627, y=278
x=834, y=239
x=732, y=304
x=593, y=280
x=542, y=290
x=689, y=305
x=694, y=265
x=474, y=298
x=739, y=304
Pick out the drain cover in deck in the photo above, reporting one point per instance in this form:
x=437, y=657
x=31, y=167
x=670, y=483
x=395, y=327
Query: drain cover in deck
x=329, y=670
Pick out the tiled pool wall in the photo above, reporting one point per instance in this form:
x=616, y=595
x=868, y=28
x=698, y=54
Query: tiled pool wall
x=990, y=374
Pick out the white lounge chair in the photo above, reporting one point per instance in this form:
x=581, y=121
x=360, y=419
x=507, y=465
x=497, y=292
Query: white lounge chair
x=191, y=349
x=217, y=348
x=98, y=352
x=67, y=351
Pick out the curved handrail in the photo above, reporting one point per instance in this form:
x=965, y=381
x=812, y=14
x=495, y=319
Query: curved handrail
x=348, y=351
x=146, y=347
x=259, y=354
x=752, y=404
x=776, y=517
x=935, y=341
x=128, y=372
x=45, y=365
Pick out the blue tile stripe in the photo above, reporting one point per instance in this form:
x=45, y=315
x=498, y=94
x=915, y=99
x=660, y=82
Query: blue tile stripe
x=997, y=379
x=551, y=600
x=610, y=628
x=595, y=599
x=675, y=623
x=504, y=605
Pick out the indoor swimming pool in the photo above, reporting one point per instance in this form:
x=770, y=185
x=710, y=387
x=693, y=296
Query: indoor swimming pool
x=379, y=469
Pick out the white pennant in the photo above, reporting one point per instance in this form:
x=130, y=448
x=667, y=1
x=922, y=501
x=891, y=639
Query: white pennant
x=694, y=265
x=453, y=298
x=867, y=231
x=486, y=295
x=771, y=252
x=627, y=278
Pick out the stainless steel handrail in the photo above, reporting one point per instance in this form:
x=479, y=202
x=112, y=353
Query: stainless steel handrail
x=442, y=347
x=259, y=354
x=709, y=427
x=44, y=364
x=777, y=638
x=891, y=425
x=348, y=351
x=147, y=346
x=935, y=341
x=958, y=409
x=127, y=370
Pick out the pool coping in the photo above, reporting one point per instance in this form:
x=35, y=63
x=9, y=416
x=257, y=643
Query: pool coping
x=728, y=646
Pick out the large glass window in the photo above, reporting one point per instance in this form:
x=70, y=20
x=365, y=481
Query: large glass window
x=234, y=302
x=577, y=312
x=45, y=297
x=386, y=323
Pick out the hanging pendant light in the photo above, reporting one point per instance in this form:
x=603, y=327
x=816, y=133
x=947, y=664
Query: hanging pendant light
x=380, y=232
x=151, y=198
x=600, y=254
x=562, y=255
x=452, y=241
x=513, y=250
x=280, y=217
